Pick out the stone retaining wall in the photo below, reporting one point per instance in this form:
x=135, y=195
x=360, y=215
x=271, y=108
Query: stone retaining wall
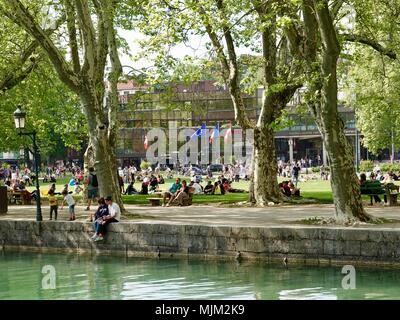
x=299, y=244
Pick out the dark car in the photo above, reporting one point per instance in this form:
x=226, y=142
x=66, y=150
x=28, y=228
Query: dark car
x=197, y=171
x=216, y=168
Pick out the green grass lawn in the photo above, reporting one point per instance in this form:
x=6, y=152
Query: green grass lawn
x=318, y=190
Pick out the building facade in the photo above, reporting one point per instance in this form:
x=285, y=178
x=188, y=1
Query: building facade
x=203, y=102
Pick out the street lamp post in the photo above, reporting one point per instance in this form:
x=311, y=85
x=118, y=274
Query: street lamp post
x=19, y=119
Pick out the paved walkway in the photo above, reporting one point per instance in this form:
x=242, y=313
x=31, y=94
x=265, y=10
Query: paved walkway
x=211, y=215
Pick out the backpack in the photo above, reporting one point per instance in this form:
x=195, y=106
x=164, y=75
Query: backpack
x=94, y=181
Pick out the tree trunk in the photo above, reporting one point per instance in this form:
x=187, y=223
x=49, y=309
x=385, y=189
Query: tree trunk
x=88, y=157
x=105, y=168
x=252, y=198
x=323, y=106
x=344, y=181
x=95, y=21
x=88, y=161
x=104, y=155
x=265, y=167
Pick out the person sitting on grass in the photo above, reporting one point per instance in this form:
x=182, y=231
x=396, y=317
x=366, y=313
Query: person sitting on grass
x=114, y=215
x=172, y=192
x=101, y=212
x=228, y=188
x=145, y=188
x=130, y=189
x=196, y=187
x=71, y=204
x=283, y=186
x=217, y=190
x=208, y=189
x=153, y=183
x=160, y=179
x=293, y=190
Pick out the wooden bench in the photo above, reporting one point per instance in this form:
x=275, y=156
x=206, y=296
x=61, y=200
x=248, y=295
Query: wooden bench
x=155, y=201
x=16, y=197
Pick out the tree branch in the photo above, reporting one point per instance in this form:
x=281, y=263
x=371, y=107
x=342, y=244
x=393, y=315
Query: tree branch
x=371, y=43
x=21, y=16
x=73, y=43
x=219, y=49
x=310, y=31
x=335, y=8
x=240, y=112
x=103, y=26
x=14, y=77
x=89, y=36
x=327, y=30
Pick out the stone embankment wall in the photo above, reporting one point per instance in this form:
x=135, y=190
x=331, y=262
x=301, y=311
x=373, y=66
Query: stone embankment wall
x=297, y=244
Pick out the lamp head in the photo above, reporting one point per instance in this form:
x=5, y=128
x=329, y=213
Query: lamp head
x=19, y=118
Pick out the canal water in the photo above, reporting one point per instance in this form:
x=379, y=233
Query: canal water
x=68, y=276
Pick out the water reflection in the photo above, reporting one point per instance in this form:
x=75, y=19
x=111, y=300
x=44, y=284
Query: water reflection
x=106, y=277
x=318, y=293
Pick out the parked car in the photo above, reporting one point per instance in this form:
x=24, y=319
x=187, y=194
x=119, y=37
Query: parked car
x=216, y=168
x=196, y=171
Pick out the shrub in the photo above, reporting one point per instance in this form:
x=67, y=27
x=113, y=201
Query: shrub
x=145, y=165
x=366, y=165
x=386, y=167
x=315, y=169
x=318, y=169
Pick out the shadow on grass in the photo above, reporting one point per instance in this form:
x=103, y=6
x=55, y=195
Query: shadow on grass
x=233, y=198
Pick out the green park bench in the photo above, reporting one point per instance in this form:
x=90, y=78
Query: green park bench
x=375, y=188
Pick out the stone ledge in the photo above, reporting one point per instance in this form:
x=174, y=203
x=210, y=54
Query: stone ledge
x=304, y=244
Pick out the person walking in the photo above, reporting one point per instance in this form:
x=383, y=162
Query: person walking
x=92, y=190
x=295, y=172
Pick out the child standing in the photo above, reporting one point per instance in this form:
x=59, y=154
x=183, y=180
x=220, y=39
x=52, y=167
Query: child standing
x=71, y=204
x=53, y=202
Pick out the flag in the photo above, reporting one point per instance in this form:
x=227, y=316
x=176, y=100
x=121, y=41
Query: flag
x=228, y=134
x=215, y=133
x=146, y=143
x=199, y=132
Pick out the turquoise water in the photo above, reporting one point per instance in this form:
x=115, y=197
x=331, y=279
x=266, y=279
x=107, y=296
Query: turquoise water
x=110, y=277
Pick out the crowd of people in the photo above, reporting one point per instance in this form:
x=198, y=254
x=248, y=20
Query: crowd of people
x=294, y=169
